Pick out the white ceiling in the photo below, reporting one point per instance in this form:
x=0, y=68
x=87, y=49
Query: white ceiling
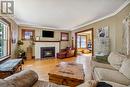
x=62, y=14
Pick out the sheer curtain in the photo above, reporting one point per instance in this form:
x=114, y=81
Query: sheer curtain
x=126, y=36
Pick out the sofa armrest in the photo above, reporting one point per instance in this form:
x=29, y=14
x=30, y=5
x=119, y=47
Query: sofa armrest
x=25, y=78
x=40, y=83
x=70, y=53
x=101, y=65
x=91, y=83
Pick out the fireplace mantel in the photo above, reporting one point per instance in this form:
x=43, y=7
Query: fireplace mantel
x=40, y=44
x=47, y=41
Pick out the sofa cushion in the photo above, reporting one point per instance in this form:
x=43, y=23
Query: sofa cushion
x=101, y=65
x=24, y=78
x=125, y=68
x=101, y=59
x=4, y=83
x=91, y=83
x=116, y=59
x=102, y=74
x=46, y=84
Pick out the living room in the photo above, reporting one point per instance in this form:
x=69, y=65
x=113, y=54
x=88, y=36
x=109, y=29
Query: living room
x=65, y=43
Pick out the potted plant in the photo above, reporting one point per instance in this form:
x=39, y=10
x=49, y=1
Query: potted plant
x=19, y=51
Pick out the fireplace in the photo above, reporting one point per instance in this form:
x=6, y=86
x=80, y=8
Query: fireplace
x=47, y=52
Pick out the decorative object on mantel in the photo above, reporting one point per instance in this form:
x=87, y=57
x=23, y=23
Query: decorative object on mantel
x=37, y=38
x=102, y=42
x=126, y=36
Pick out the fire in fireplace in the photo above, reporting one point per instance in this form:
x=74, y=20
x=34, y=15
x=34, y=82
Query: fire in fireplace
x=47, y=52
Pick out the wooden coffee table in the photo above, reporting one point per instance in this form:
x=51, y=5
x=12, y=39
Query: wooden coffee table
x=66, y=73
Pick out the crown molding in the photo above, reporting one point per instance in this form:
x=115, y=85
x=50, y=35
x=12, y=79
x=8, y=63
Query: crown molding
x=110, y=15
x=41, y=27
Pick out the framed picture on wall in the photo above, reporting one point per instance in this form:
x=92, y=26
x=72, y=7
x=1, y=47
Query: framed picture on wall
x=64, y=36
x=103, y=32
x=27, y=33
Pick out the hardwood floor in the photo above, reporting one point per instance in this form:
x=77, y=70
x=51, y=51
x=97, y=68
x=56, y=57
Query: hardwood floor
x=42, y=67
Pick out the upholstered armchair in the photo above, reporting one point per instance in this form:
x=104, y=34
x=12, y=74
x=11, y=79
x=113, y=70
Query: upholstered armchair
x=68, y=52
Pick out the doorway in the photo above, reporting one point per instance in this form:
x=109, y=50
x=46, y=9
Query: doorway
x=84, y=42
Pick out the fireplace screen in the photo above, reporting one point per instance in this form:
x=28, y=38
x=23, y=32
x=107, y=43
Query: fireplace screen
x=47, y=52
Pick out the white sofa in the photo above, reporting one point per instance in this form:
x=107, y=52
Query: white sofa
x=117, y=73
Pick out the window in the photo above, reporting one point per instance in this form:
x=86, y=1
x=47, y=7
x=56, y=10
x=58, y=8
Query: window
x=81, y=42
x=26, y=34
x=4, y=39
x=78, y=41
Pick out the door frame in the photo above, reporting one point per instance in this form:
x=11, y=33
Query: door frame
x=91, y=29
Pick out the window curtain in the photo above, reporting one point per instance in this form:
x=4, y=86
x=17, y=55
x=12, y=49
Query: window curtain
x=126, y=36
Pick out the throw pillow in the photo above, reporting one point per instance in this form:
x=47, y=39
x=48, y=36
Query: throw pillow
x=4, y=83
x=101, y=59
x=116, y=59
x=125, y=68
